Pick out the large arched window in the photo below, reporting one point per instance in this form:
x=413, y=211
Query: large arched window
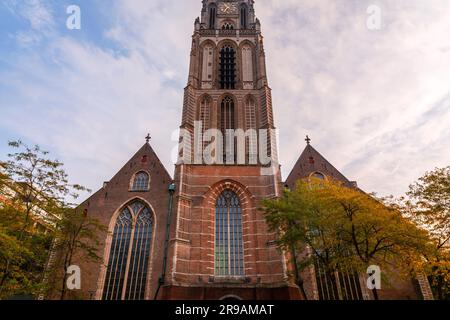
x=228, y=124
x=133, y=229
x=227, y=67
x=140, y=182
x=229, y=248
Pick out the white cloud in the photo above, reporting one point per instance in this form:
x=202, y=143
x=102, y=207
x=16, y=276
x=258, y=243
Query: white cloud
x=367, y=96
x=39, y=16
x=375, y=102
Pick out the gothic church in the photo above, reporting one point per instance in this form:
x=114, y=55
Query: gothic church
x=200, y=235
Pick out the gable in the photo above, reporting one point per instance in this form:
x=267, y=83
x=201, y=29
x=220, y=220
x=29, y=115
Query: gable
x=312, y=161
x=144, y=160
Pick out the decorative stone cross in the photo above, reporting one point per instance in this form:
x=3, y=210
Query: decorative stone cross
x=308, y=140
x=148, y=138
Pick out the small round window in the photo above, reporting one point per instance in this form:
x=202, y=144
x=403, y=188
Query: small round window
x=318, y=175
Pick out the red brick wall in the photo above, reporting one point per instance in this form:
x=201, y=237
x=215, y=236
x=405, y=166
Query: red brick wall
x=110, y=199
x=192, y=250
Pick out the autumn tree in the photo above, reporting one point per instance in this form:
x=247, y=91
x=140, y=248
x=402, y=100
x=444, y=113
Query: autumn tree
x=376, y=233
x=345, y=228
x=302, y=222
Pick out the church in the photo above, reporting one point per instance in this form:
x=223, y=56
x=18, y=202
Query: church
x=200, y=235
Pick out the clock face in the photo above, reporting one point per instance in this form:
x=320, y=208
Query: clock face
x=228, y=8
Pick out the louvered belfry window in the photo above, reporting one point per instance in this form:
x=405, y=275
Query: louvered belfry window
x=227, y=68
x=133, y=230
x=229, y=249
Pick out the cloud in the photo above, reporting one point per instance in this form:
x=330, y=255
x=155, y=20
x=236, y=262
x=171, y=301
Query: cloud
x=368, y=97
x=375, y=102
x=39, y=16
x=93, y=106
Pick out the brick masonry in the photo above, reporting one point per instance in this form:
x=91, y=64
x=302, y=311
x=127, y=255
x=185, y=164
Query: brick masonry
x=108, y=202
x=190, y=271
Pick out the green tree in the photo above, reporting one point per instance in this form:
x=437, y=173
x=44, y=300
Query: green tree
x=24, y=248
x=302, y=222
x=35, y=191
x=428, y=203
x=77, y=237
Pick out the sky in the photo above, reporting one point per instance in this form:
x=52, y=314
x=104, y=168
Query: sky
x=376, y=102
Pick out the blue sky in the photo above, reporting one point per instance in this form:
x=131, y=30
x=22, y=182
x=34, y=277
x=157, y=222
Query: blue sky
x=375, y=102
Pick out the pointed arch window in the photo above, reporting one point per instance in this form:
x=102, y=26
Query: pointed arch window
x=127, y=271
x=244, y=16
x=205, y=112
x=141, y=181
x=212, y=16
x=247, y=66
x=250, y=127
x=227, y=26
x=229, y=247
x=228, y=125
x=227, y=108
x=227, y=68
x=250, y=113
x=204, y=118
x=207, y=67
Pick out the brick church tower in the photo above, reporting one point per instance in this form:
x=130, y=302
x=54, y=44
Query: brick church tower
x=202, y=235
x=221, y=246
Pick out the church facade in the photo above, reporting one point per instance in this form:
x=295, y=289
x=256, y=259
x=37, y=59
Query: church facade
x=200, y=235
